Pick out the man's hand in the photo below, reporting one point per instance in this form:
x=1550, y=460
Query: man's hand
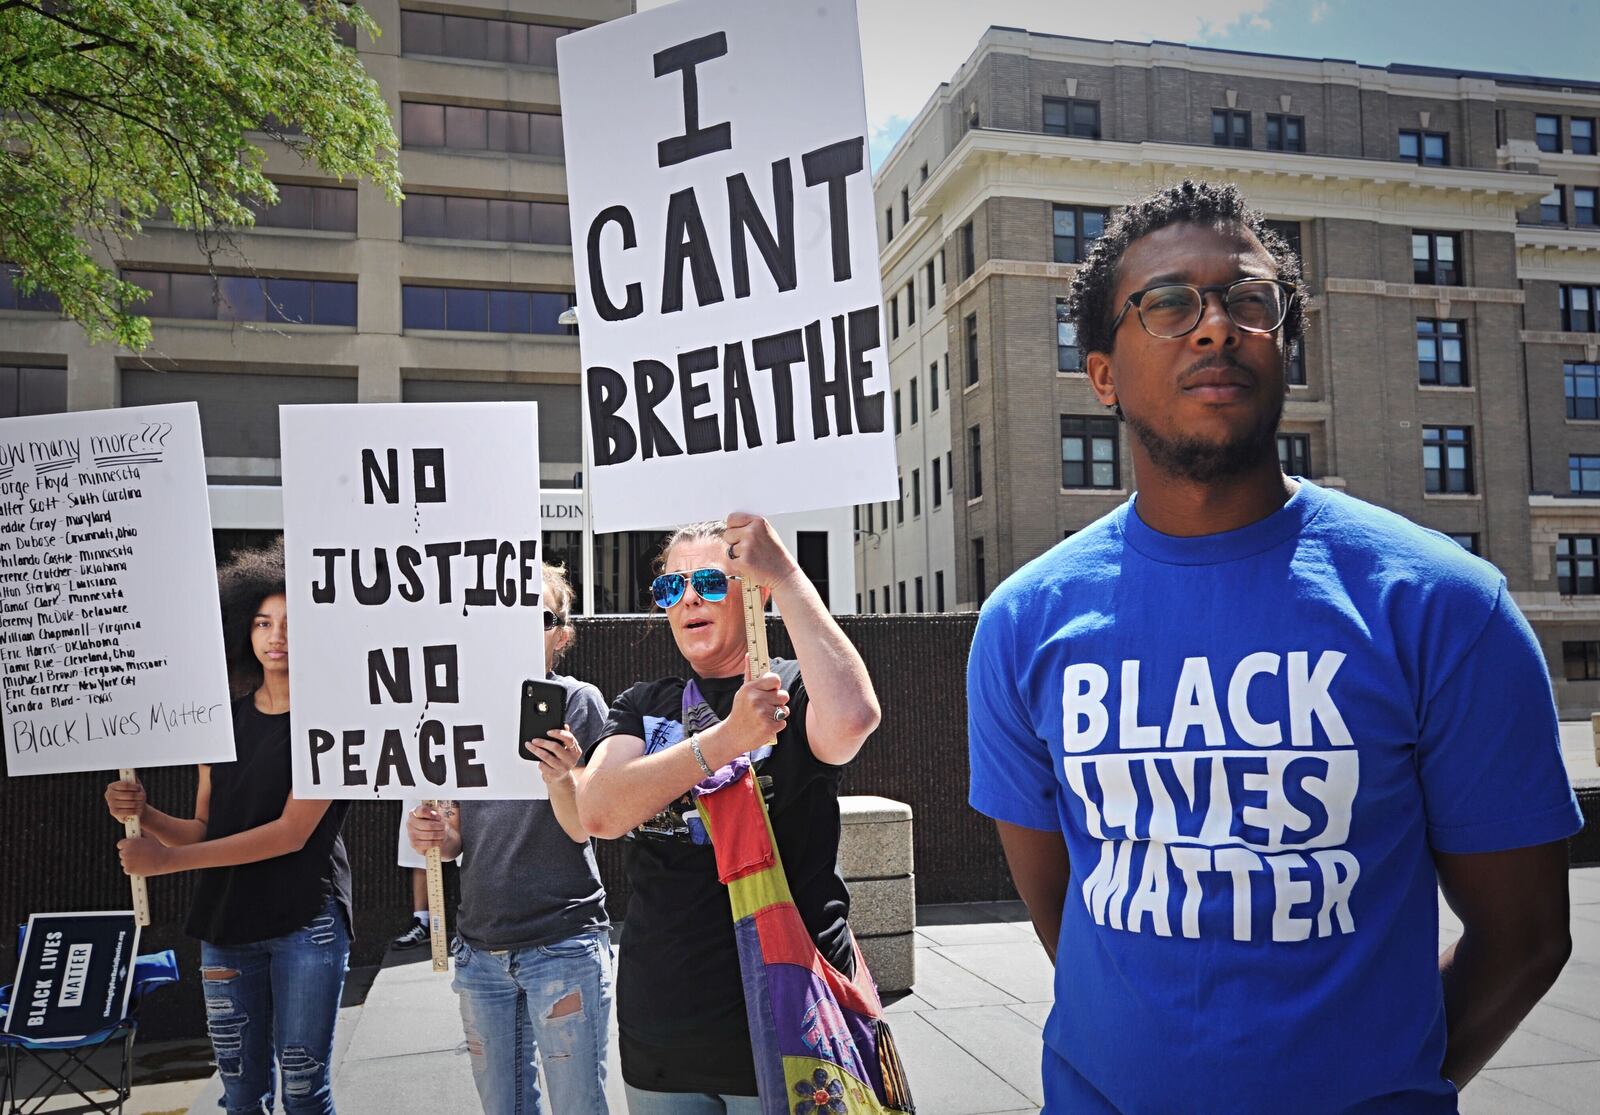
x=755, y=552
x=125, y=800
x=1515, y=940
x=558, y=754
x=427, y=826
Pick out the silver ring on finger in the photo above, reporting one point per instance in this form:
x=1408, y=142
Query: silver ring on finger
x=780, y=713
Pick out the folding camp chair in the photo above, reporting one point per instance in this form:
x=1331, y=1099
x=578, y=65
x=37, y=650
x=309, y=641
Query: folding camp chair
x=66, y=1064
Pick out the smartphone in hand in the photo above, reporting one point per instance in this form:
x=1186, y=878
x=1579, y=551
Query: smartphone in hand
x=544, y=707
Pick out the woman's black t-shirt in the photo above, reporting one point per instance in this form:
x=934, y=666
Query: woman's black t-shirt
x=680, y=998
x=252, y=902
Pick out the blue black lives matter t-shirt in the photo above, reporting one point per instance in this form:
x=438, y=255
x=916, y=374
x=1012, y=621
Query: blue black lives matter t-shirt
x=1251, y=741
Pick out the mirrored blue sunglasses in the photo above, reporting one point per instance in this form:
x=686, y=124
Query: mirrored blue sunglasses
x=712, y=585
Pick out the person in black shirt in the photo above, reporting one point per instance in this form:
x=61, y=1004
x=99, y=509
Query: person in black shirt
x=683, y=1036
x=271, y=906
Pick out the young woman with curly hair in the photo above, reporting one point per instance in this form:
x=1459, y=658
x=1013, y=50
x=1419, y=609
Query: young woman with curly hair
x=271, y=906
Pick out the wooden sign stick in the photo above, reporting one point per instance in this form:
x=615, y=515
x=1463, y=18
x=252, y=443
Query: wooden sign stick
x=755, y=629
x=436, y=942
x=141, y=893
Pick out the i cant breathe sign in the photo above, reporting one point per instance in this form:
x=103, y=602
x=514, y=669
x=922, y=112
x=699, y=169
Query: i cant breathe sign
x=412, y=554
x=730, y=310
x=110, y=642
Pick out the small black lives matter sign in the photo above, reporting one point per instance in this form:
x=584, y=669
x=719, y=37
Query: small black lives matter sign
x=729, y=303
x=412, y=554
x=74, y=975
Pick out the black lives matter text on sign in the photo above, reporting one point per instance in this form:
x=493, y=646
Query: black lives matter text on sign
x=75, y=525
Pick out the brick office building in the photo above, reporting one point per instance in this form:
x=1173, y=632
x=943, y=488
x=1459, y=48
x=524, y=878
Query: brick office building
x=1451, y=364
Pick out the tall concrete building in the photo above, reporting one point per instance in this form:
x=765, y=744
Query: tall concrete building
x=338, y=296
x=1447, y=222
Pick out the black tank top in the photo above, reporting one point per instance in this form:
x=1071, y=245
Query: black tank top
x=253, y=902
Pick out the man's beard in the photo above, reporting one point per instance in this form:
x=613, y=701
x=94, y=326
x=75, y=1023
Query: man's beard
x=1205, y=462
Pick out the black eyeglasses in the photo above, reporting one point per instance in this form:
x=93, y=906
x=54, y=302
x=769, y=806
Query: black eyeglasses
x=1175, y=309
x=712, y=585
x=553, y=621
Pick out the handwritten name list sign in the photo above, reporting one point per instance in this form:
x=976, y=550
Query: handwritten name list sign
x=110, y=638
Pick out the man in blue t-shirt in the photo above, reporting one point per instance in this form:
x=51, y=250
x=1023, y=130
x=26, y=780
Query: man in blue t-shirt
x=1236, y=732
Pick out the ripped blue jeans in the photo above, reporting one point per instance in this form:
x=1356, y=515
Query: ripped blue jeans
x=270, y=1009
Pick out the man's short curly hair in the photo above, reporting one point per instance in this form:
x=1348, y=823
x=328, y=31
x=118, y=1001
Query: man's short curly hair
x=1189, y=202
x=242, y=584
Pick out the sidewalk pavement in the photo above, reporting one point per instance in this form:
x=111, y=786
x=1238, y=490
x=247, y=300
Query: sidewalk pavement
x=1578, y=749
x=969, y=1033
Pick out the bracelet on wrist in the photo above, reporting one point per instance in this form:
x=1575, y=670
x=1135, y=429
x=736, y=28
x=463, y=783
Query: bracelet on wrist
x=694, y=749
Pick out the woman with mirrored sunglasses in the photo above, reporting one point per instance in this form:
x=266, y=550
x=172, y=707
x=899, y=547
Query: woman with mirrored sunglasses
x=683, y=1032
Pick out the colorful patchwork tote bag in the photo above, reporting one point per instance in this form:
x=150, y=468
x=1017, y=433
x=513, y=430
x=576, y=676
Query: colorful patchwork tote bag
x=821, y=1044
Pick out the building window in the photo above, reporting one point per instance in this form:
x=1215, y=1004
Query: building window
x=489, y=40
x=888, y=606
x=894, y=317
x=1468, y=542
x=1068, y=358
x=1581, y=661
x=969, y=255
x=1550, y=208
x=938, y=590
x=460, y=128
x=1447, y=459
x=915, y=400
x=905, y=205
x=1230, y=128
x=897, y=411
x=936, y=489
x=918, y=594
x=246, y=298
x=1580, y=309
x=477, y=218
x=1581, y=385
x=900, y=503
x=324, y=208
x=13, y=299
x=1294, y=454
x=1286, y=133
x=811, y=554
x=1583, y=474
x=972, y=349
x=1433, y=258
x=1089, y=453
x=883, y=515
x=1064, y=117
x=1582, y=129
x=980, y=579
x=1441, y=357
x=974, y=463
x=25, y=391
x=924, y=174
x=471, y=310
x=1075, y=228
x=933, y=386
x=949, y=470
x=911, y=301
x=872, y=600
x=1575, y=564
x=916, y=493
x=888, y=222
x=929, y=285
x=1294, y=362
x=1425, y=148
x=1583, y=206
x=1547, y=132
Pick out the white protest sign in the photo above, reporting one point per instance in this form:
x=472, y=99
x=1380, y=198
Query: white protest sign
x=110, y=630
x=729, y=307
x=412, y=553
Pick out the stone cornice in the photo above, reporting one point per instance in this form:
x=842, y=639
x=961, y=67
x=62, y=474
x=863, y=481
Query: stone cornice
x=990, y=163
x=1417, y=291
